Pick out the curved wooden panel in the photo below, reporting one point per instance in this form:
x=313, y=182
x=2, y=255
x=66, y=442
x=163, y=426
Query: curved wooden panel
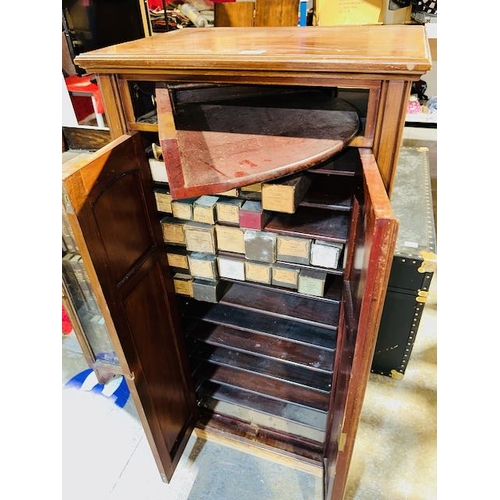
x=210, y=148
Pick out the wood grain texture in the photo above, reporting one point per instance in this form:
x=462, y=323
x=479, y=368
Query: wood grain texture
x=276, y=13
x=387, y=49
x=211, y=148
x=236, y=15
x=88, y=138
x=362, y=311
x=111, y=208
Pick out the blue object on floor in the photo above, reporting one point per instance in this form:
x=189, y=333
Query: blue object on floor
x=116, y=389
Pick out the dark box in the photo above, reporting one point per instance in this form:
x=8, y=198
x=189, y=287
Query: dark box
x=260, y=246
x=413, y=265
x=207, y=290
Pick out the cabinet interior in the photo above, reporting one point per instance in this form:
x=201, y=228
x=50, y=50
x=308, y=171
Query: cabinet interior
x=263, y=358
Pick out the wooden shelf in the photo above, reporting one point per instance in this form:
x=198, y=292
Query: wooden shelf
x=312, y=222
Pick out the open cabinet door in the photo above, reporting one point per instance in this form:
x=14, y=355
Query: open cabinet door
x=111, y=208
x=367, y=275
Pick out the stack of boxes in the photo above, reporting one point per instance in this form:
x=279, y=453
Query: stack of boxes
x=214, y=238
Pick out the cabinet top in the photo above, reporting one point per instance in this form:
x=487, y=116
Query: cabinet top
x=376, y=49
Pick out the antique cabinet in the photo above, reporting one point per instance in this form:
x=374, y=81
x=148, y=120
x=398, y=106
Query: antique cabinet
x=263, y=364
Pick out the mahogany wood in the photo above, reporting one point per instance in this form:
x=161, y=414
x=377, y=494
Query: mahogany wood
x=275, y=303
x=113, y=223
x=372, y=59
x=272, y=368
x=314, y=357
x=271, y=387
x=376, y=242
x=211, y=148
x=209, y=391
x=312, y=222
x=331, y=192
x=258, y=322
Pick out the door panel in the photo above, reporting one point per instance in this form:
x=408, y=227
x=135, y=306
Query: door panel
x=111, y=207
x=361, y=311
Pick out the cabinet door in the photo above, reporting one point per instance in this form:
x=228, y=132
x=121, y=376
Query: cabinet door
x=110, y=205
x=373, y=241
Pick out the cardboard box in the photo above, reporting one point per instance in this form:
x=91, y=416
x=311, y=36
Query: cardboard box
x=230, y=239
x=204, y=209
x=326, y=254
x=231, y=268
x=158, y=170
x=312, y=282
x=178, y=259
x=291, y=249
x=207, y=290
x=284, y=195
x=234, y=193
x=252, y=215
x=203, y=265
x=183, y=209
x=252, y=189
x=356, y=12
x=258, y=272
x=200, y=237
x=228, y=210
x=163, y=200
x=183, y=284
x=285, y=276
x=260, y=246
x=173, y=230
x=348, y=12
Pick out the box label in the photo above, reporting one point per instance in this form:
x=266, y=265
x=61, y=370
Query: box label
x=182, y=210
x=173, y=233
x=200, y=240
x=176, y=260
x=230, y=239
x=278, y=198
x=228, y=213
x=232, y=268
x=204, y=214
x=294, y=247
x=285, y=275
x=183, y=287
x=257, y=272
x=202, y=268
x=164, y=202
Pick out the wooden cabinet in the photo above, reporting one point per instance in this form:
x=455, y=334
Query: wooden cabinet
x=264, y=364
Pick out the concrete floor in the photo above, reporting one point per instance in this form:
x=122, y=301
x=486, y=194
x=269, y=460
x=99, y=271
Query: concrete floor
x=106, y=454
